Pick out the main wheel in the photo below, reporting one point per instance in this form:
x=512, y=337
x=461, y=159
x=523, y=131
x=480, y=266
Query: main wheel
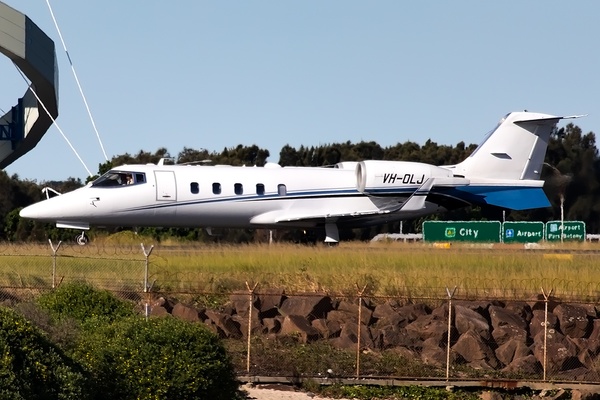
x=82, y=239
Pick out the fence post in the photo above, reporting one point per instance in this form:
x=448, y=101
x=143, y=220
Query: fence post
x=54, y=251
x=450, y=295
x=360, y=293
x=546, y=297
x=146, y=287
x=251, y=294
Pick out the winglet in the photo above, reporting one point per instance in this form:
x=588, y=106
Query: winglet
x=417, y=200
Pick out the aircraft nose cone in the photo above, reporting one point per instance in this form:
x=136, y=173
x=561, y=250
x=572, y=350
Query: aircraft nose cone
x=28, y=212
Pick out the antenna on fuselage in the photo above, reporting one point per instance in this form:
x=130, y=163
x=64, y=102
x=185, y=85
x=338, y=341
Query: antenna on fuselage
x=163, y=159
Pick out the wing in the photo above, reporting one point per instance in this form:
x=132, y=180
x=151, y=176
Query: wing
x=384, y=206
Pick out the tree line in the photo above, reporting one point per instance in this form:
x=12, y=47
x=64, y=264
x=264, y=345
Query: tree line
x=571, y=173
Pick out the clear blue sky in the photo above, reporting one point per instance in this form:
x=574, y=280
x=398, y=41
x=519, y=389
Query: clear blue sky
x=220, y=73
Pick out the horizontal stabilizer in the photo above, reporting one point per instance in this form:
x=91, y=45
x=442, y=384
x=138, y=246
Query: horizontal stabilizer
x=519, y=199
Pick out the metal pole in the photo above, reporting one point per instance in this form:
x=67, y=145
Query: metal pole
x=562, y=218
x=546, y=297
x=146, y=287
x=54, y=251
x=251, y=293
x=360, y=293
x=450, y=295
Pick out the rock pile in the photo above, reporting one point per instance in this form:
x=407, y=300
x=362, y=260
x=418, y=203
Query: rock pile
x=486, y=335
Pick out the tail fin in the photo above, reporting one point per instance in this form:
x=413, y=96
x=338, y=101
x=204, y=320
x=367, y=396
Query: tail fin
x=514, y=150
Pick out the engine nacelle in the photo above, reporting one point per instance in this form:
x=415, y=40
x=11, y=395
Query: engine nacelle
x=380, y=176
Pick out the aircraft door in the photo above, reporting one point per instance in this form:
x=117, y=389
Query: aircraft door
x=166, y=189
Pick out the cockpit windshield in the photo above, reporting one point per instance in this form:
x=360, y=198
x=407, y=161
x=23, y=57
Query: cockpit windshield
x=116, y=178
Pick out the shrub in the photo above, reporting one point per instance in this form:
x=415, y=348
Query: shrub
x=31, y=367
x=84, y=303
x=162, y=358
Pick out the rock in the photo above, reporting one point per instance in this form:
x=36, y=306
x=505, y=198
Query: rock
x=269, y=302
x=159, y=311
x=511, y=350
x=595, y=334
x=390, y=337
x=387, y=315
x=505, y=317
x=432, y=353
x=413, y=311
x=327, y=328
x=561, y=353
x=298, y=324
x=240, y=301
x=272, y=325
x=527, y=366
x=480, y=307
x=310, y=307
x=257, y=326
x=227, y=327
x=428, y=327
x=352, y=310
x=520, y=308
x=186, y=313
x=584, y=394
x=540, y=304
x=164, y=302
x=466, y=320
x=349, y=337
x=573, y=320
x=341, y=317
x=536, y=325
x=477, y=353
x=507, y=325
x=505, y=333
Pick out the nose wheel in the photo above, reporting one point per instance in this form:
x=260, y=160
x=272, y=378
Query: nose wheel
x=82, y=239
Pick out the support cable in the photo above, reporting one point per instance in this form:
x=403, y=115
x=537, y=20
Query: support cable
x=77, y=80
x=53, y=121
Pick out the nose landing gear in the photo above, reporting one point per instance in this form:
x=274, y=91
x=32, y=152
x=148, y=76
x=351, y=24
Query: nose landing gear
x=82, y=239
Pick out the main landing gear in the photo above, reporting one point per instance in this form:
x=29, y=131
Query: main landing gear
x=82, y=239
x=332, y=235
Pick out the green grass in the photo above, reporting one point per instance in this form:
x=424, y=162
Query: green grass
x=416, y=270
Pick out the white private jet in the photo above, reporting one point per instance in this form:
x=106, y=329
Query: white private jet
x=503, y=171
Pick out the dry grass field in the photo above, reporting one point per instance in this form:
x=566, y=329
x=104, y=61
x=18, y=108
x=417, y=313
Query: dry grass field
x=418, y=270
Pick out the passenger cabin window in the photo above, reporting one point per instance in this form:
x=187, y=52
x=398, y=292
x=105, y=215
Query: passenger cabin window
x=120, y=178
x=260, y=189
x=238, y=188
x=281, y=189
x=216, y=188
x=194, y=188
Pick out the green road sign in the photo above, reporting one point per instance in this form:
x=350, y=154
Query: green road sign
x=461, y=231
x=522, y=232
x=573, y=231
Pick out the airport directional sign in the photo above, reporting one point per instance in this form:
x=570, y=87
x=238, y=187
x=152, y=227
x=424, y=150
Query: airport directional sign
x=462, y=231
x=571, y=230
x=522, y=231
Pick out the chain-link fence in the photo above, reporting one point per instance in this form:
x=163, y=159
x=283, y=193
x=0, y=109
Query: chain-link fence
x=451, y=335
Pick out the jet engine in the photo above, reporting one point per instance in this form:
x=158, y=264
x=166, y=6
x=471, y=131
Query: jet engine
x=379, y=176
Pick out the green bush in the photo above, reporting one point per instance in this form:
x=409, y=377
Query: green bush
x=33, y=368
x=162, y=358
x=84, y=303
